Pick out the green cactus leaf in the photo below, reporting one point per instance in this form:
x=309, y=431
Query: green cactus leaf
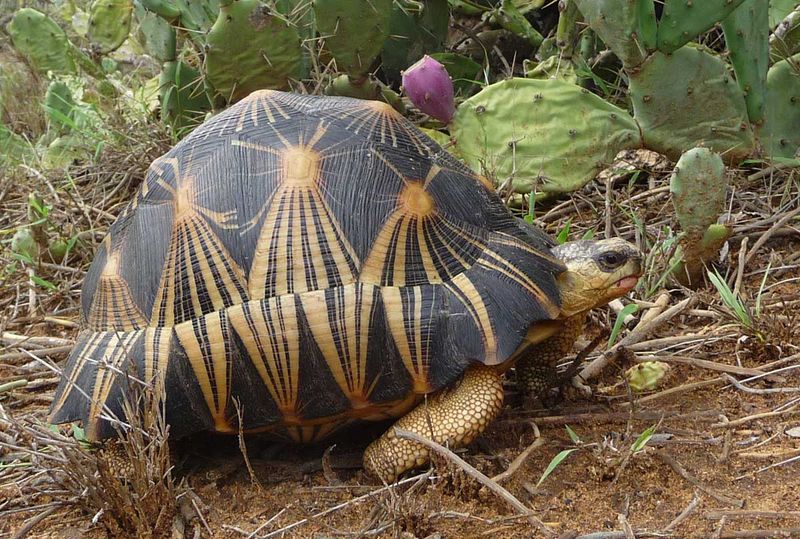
x=684, y=20
x=109, y=23
x=780, y=134
x=184, y=100
x=42, y=42
x=197, y=17
x=698, y=190
x=354, y=31
x=688, y=99
x=779, y=9
x=166, y=9
x=415, y=29
x=249, y=48
x=626, y=27
x=14, y=149
x=509, y=17
x=544, y=134
x=59, y=105
x=462, y=69
x=747, y=36
x=156, y=34
x=785, y=41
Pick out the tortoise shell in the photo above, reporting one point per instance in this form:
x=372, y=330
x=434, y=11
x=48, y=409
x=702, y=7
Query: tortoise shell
x=316, y=259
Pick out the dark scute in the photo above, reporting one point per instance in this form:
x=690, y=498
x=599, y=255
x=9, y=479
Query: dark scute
x=256, y=404
x=143, y=252
x=361, y=192
x=385, y=368
x=461, y=198
x=76, y=405
x=534, y=236
x=319, y=395
x=186, y=409
x=459, y=344
x=89, y=286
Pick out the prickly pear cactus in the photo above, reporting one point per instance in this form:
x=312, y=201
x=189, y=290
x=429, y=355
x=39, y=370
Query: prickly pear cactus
x=544, y=134
x=780, y=134
x=683, y=20
x=13, y=148
x=42, y=42
x=109, y=23
x=354, y=31
x=156, y=34
x=628, y=27
x=698, y=189
x=249, y=48
x=415, y=29
x=686, y=99
x=184, y=100
x=197, y=16
x=59, y=105
x=747, y=36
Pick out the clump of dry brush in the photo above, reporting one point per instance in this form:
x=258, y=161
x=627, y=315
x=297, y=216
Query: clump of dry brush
x=126, y=486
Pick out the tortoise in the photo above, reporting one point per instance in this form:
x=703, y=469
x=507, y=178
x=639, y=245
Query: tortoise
x=314, y=261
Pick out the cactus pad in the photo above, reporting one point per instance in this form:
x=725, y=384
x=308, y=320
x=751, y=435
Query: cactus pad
x=109, y=23
x=545, y=134
x=684, y=20
x=747, y=36
x=414, y=32
x=698, y=190
x=628, y=28
x=156, y=34
x=780, y=135
x=59, y=105
x=183, y=97
x=354, y=31
x=688, y=99
x=39, y=39
x=249, y=48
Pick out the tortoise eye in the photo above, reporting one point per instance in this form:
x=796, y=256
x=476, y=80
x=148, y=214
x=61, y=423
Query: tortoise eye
x=611, y=260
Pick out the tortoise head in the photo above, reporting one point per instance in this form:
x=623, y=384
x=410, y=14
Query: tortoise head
x=597, y=272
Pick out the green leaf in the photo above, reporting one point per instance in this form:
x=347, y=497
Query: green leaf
x=554, y=464
x=43, y=283
x=643, y=438
x=563, y=234
x=628, y=309
x=572, y=435
x=589, y=234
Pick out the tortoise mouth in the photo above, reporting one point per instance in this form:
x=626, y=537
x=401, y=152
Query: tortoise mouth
x=626, y=284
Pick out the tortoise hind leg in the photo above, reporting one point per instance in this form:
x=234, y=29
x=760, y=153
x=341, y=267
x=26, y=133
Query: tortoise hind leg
x=456, y=415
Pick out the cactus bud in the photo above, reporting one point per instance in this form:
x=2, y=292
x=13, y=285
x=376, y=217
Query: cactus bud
x=429, y=87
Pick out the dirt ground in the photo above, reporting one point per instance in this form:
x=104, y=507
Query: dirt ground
x=723, y=460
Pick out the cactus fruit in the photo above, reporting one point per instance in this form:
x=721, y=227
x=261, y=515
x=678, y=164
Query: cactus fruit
x=415, y=29
x=249, y=48
x=687, y=99
x=42, y=42
x=698, y=190
x=184, y=100
x=747, y=36
x=354, y=32
x=684, y=20
x=59, y=105
x=547, y=135
x=780, y=135
x=628, y=28
x=109, y=23
x=429, y=87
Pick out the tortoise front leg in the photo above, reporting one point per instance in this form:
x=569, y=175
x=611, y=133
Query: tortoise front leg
x=536, y=368
x=455, y=416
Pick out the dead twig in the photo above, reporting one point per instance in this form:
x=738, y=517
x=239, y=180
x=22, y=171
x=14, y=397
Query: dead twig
x=478, y=476
x=684, y=514
x=521, y=458
x=681, y=471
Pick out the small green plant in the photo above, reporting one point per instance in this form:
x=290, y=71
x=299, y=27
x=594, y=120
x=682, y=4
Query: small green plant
x=736, y=306
x=623, y=314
